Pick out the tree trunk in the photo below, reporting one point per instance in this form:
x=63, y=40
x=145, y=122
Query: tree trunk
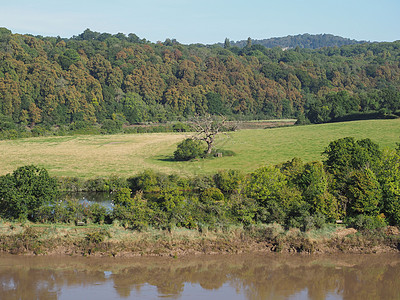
x=209, y=147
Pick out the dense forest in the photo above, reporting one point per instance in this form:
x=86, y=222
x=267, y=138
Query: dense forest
x=100, y=78
x=311, y=41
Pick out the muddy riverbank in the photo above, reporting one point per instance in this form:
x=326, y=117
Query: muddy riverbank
x=116, y=241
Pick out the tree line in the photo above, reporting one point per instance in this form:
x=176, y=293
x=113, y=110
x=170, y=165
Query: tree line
x=96, y=78
x=312, y=41
x=357, y=182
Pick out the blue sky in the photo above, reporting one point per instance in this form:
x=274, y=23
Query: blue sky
x=206, y=21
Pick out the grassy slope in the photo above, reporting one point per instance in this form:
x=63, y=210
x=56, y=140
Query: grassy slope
x=125, y=155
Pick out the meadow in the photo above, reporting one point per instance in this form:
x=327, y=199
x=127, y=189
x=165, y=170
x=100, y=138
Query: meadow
x=88, y=156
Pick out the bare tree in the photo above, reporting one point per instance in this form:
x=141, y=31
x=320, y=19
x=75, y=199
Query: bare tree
x=207, y=128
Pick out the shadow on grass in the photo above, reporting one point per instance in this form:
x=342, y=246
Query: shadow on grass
x=165, y=158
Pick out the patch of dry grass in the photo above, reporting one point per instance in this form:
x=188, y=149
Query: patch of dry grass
x=88, y=156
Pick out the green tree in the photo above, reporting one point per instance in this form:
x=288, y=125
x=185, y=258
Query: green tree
x=215, y=104
x=134, y=108
x=346, y=158
x=69, y=57
x=390, y=99
x=270, y=188
x=123, y=197
x=249, y=42
x=389, y=178
x=313, y=182
x=25, y=190
x=227, y=43
x=347, y=154
x=364, y=193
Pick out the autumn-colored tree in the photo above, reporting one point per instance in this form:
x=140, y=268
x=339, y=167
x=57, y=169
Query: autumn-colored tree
x=86, y=77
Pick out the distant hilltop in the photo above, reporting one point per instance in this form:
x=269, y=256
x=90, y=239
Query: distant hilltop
x=310, y=41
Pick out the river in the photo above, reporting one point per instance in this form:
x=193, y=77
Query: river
x=250, y=276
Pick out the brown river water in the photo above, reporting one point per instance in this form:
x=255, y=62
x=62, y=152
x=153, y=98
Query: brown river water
x=250, y=276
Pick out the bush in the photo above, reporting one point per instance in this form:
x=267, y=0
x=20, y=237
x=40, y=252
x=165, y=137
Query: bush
x=70, y=184
x=97, y=184
x=201, y=183
x=189, y=149
x=111, y=126
x=228, y=181
x=39, y=131
x=110, y=184
x=133, y=212
x=180, y=127
x=212, y=196
x=243, y=210
x=98, y=213
x=115, y=183
x=363, y=222
x=123, y=197
x=25, y=190
x=151, y=181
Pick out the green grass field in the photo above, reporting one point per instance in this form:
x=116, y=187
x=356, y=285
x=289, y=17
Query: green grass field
x=125, y=155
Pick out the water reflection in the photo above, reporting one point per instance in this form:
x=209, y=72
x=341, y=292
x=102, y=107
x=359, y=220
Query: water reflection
x=88, y=198
x=212, y=277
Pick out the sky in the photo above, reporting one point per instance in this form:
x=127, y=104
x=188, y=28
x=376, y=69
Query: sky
x=206, y=21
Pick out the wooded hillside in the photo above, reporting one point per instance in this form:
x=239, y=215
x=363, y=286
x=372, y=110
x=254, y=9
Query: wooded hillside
x=95, y=76
x=311, y=41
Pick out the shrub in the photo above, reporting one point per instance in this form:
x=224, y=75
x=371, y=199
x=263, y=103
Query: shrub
x=148, y=181
x=97, y=184
x=211, y=196
x=202, y=182
x=363, y=222
x=98, y=213
x=189, y=149
x=123, y=197
x=115, y=183
x=133, y=212
x=180, y=127
x=39, y=131
x=299, y=216
x=25, y=190
x=111, y=126
x=70, y=184
x=243, y=210
x=97, y=236
x=228, y=181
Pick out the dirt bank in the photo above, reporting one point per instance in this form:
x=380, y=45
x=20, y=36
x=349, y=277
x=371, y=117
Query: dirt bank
x=114, y=240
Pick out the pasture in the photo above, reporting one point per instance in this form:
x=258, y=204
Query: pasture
x=87, y=156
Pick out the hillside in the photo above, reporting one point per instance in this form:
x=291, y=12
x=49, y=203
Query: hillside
x=115, y=79
x=310, y=41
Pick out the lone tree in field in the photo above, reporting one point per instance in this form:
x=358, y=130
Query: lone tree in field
x=207, y=128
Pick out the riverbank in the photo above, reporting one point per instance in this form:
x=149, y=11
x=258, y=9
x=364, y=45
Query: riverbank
x=116, y=241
